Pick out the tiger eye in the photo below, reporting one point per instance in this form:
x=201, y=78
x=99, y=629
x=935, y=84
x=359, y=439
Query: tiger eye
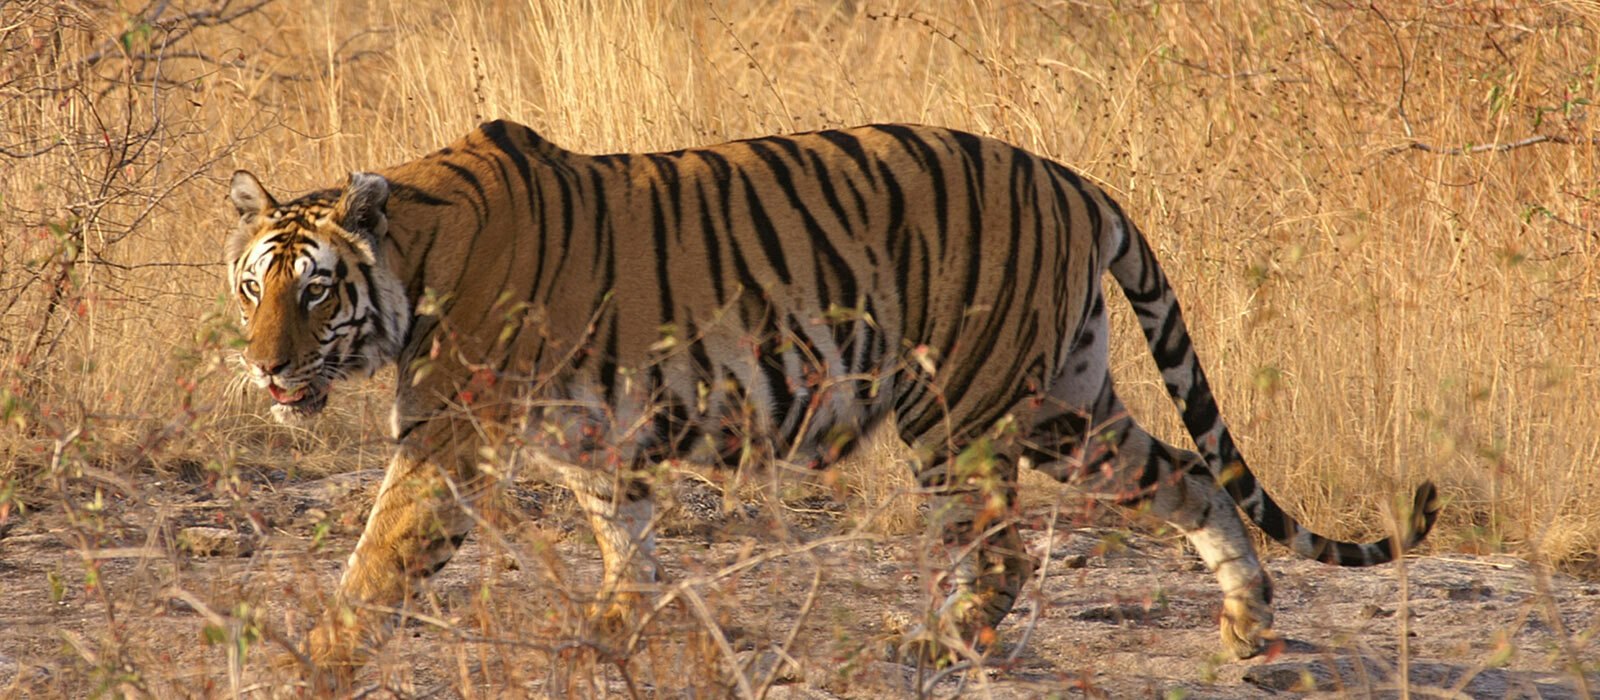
x=251, y=288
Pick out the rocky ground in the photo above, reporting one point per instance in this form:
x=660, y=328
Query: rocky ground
x=173, y=590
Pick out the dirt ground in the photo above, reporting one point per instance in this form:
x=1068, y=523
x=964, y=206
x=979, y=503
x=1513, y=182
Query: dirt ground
x=1117, y=613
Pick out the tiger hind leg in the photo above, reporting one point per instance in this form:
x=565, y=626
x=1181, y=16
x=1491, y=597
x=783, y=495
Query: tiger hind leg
x=1099, y=447
x=1207, y=516
x=972, y=512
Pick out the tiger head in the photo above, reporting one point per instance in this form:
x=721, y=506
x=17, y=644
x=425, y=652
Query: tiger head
x=317, y=300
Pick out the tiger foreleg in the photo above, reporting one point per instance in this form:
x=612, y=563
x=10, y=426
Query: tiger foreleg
x=621, y=513
x=417, y=523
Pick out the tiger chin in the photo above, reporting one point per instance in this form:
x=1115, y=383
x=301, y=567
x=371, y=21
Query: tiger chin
x=772, y=298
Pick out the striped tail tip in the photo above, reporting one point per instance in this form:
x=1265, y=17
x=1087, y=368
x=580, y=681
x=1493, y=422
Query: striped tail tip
x=1424, y=513
x=1418, y=522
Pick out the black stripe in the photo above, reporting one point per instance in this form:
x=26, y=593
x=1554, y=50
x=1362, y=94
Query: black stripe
x=851, y=146
x=824, y=250
x=1169, y=343
x=861, y=203
x=921, y=288
x=512, y=241
x=377, y=302
x=569, y=212
x=713, y=247
x=973, y=147
x=722, y=180
x=824, y=180
x=608, y=359
x=667, y=171
x=787, y=144
x=602, y=217
x=663, y=280
x=1084, y=190
x=704, y=370
x=1200, y=409
x=414, y=195
x=929, y=160
x=864, y=353
x=480, y=208
x=766, y=234
x=794, y=418
x=751, y=289
x=983, y=354
x=773, y=371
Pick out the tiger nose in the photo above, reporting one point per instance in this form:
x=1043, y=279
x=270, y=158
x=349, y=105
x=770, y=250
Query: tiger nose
x=271, y=367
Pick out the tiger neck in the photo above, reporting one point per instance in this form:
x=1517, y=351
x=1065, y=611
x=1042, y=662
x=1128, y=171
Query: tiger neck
x=469, y=274
x=404, y=261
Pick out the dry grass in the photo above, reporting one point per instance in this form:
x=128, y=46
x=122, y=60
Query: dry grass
x=1373, y=308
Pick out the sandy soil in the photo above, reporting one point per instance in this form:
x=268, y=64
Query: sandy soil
x=1116, y=613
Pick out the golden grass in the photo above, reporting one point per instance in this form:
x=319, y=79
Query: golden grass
x=1371, y=313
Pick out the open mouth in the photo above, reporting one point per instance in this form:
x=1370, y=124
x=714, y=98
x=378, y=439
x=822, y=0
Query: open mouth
x=305, y=400
x=282, y=395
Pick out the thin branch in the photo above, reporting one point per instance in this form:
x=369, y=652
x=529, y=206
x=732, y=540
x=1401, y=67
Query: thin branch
x=177, y=28
x=1240, y=75
x=1405, y=69
x=782, y=650
x=1491, y=147
x=698, y=605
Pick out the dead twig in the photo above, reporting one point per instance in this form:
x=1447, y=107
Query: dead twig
x=698, y=605
x=1490, y=147
x=776, y=671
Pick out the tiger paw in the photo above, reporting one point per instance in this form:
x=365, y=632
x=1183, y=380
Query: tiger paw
x=766, y=667
x=317, y=681
x=331, y=656
x=935, y=646
x=1246, y=626
x=611, y=621
x=923, y=652
x=285, y=663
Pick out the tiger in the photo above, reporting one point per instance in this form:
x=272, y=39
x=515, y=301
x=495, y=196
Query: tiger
x=774, y=298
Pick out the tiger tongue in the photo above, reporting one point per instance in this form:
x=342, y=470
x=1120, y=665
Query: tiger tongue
x=282, y=396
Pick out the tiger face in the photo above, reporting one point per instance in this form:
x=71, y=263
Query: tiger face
x=316, y=301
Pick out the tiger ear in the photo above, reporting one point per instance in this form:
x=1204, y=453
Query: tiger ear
x=361, y=207
x=249, y=197
x=251, y=200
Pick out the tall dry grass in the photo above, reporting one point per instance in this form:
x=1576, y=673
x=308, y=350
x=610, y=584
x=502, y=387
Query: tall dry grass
x=1374, y=306
x=1380, y=294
